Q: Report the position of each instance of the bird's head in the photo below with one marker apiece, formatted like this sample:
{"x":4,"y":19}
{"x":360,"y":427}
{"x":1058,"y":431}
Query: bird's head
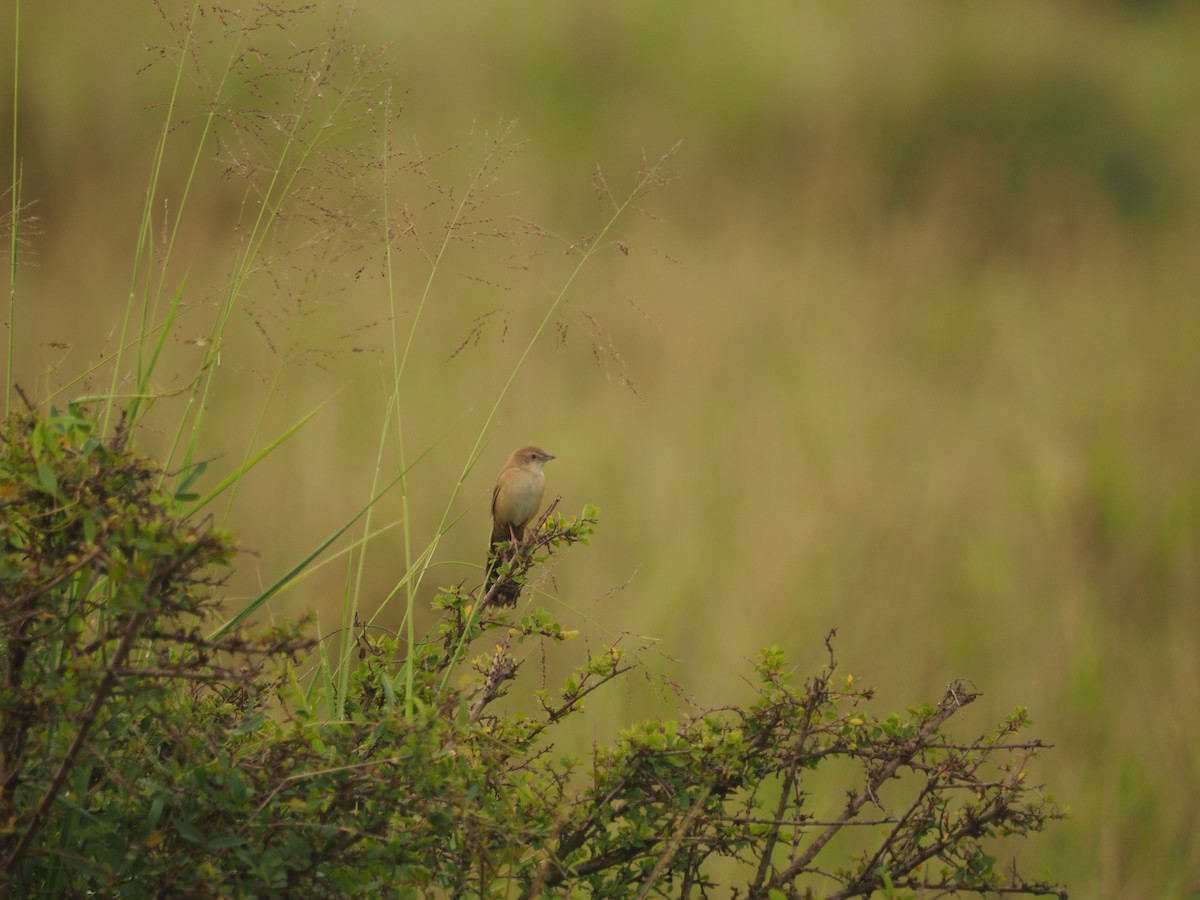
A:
{"x":530,"y":458}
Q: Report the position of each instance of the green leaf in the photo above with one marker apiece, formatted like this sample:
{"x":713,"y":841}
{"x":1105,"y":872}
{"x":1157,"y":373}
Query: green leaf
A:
{"x":389,"y":687}
{"x":182,"y":493}
{"x":237,"y":788}
{"x":46,"y":477}
{"x":156,"y":810}
{"x":223,"y":843}
{"x":249,"y":726}
{"x":189,"y":833}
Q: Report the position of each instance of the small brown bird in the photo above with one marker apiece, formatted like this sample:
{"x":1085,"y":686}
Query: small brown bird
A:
{"x":516,"y":499}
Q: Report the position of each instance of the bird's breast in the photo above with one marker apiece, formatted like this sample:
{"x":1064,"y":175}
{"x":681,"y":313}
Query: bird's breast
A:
{"x":519,"y":498}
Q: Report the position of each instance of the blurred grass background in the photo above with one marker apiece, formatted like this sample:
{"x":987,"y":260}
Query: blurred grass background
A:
{"x":909,"y":349}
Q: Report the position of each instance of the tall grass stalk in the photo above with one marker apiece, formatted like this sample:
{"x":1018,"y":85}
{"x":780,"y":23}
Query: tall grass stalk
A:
{"x":153,"y":310}
{"x":414,"y":571}
{"x":292,"y":159}
{"x":144,"y":242}
{"x":399,"y":362}
{"x":647,"y":179}
{"x":15,"y":213}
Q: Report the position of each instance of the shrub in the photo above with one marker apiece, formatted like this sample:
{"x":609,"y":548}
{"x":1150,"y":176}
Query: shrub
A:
{"x":143,"y":754}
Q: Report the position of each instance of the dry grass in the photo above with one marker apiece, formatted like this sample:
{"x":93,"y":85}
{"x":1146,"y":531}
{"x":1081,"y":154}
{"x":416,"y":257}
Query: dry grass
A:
{"x":913,"y":349}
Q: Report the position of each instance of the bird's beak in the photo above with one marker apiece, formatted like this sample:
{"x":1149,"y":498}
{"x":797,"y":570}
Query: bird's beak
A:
{"x":550,"y":456}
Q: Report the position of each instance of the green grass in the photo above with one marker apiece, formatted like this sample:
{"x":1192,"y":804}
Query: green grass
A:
{"x":912,"y":344}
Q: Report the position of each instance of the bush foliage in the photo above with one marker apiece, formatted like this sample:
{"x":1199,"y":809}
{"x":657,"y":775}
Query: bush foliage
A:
{"x":145,"y":752}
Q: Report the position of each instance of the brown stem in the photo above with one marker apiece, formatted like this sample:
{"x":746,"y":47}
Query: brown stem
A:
{"x":107,"y":683}
{"x":957,"y":696}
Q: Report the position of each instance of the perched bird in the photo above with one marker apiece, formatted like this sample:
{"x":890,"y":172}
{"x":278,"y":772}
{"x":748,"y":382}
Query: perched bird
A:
{"x":515,"y":500}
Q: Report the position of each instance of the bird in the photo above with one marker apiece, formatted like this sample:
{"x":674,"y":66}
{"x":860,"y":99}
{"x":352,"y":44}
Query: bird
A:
{"x":515,"y":501}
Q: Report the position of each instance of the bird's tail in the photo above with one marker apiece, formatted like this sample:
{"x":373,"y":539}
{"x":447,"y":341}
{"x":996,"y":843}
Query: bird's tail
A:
{"x":496,"y":557}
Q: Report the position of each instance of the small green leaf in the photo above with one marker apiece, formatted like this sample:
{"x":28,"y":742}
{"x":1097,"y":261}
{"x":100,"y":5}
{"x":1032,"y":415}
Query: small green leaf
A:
{"x":155,"y":814}
{"x":182,"y":493}
{"x":237,"y":789}
{"x":189,"y":833}
{"x":249,"y":726}
{"x":46,"y":477}
{"x":222,"y":843}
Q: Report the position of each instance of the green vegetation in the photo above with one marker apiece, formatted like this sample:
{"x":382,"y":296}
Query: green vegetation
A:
{"x":139,"y":756}
{"x":911,"y":346}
